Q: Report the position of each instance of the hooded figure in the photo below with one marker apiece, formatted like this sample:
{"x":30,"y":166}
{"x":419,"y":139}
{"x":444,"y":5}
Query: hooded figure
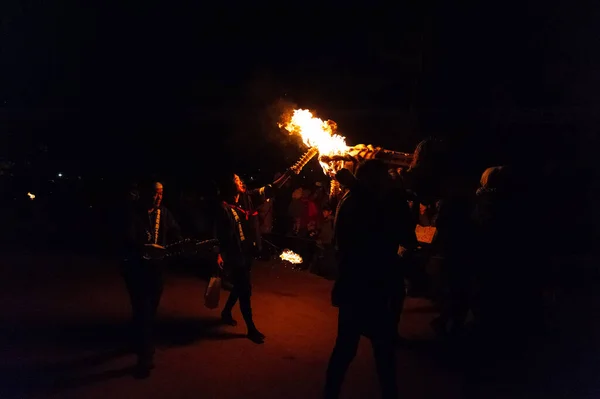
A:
{"x":507,"y":264}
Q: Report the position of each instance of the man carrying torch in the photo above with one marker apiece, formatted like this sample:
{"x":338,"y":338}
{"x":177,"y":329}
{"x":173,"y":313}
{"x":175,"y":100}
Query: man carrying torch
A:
{"x":370,"y":225}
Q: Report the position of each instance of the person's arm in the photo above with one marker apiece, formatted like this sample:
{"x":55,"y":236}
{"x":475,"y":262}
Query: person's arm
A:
{"x":137,"y":240}
{"x":343,"y":236}
{"x":132,"y":240}
{"x":260,"y":195}
{"x":222,"y":232}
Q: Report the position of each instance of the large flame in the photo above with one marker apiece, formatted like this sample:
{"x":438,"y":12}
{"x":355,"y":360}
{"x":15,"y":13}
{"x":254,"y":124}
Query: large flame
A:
{"x":318,"y":134}
{"x":291,"y":257}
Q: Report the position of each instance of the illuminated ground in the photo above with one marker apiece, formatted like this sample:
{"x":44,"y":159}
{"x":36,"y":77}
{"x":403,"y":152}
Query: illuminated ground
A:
{"x":63,"y":321}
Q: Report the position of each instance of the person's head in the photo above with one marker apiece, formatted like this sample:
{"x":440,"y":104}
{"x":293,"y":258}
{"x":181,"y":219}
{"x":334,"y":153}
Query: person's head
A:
{"x":327,"y":212}
{"x":297,"y":194}
{"x":496,"y":178}
{"x":374,"y":175}
{"x":228,"y":185}
{"x":239,"y":184}
{"x":428,"y":154}
{"x":152,"y":194}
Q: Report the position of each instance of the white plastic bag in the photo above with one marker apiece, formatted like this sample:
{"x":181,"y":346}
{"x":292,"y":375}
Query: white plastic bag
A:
{"x":213,"y":293}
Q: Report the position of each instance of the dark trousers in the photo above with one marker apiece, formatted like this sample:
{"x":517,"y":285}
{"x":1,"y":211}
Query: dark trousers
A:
{"x":144,"y":283}
{"x":324,"y":263}
{"x":376,"y":322}
{"x":242,"y":291}
{"x":458,"y":294}
{"x":397,"y":301}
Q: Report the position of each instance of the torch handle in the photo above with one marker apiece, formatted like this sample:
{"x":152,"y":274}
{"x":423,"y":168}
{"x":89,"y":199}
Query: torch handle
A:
{"x":301,"y":163}
{"x":296,"y":168}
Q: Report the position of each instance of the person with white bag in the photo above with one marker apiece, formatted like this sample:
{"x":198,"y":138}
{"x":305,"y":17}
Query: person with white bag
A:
{"x":234,"y":230}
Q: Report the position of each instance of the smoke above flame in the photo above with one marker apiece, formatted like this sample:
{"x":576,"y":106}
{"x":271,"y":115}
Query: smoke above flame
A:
{"x":318,"y":134}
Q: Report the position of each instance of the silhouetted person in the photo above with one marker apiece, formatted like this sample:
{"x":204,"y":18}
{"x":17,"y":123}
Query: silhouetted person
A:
{"x":368,"y":232}
{"x":509,"y":311}
{"x":236,"y":232}
{"x":150,"y":227}
{"x":404,"y":230}
{"x":455,"y":241}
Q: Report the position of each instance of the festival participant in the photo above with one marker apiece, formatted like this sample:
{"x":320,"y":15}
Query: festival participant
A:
{"x":368,"y":232}
{"x":237,"y":234}
{"x":150,"y":227}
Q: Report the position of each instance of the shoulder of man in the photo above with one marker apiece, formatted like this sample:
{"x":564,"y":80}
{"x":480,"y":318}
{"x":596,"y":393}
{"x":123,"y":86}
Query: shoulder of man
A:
{"x":223,"y":209}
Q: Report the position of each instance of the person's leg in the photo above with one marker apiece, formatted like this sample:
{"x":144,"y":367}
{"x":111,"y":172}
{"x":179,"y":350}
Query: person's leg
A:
{"x":149,"y":299}
{"x":245,"y":292}
{"x":156,"y":286}
{"x":246,"y":308}
{"x":133,"y":284}
{"x":226,"y":315}
{"x":316,"y":262}
{"x":346,"y":345}
{"x":398,"y":297}
{"x":460,"y":294}
{"x":385,"y":358}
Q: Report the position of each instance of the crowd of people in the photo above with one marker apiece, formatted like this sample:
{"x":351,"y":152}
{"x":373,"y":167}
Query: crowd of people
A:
{"x":367,"y":237}
{"x":302,"y":217}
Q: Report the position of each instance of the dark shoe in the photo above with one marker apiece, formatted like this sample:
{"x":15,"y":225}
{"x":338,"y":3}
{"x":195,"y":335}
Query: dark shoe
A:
{"x":256,"y":336}
{"x":228,"y":319}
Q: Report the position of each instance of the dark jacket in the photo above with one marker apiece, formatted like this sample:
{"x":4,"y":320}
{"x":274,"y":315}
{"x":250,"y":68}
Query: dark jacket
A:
{"x":232,"y":247}
{"x":250,"y":201}
{"x":368,"y":232}
{"x":140,"y":229}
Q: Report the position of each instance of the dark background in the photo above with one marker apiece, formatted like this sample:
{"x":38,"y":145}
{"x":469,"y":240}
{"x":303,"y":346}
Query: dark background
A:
{"x":107,"y":90}
{"x":109,"y":87}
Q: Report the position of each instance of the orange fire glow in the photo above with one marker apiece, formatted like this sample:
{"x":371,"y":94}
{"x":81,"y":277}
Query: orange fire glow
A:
{"x":291,"y":257}
{"x":318,"y":134}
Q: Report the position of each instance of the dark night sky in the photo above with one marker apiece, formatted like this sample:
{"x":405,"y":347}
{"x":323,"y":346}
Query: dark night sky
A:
{"x":103,"y":84}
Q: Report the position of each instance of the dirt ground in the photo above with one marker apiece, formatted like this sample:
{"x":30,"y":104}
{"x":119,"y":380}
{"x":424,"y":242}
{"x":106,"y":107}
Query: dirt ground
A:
{"x":64,"y":319}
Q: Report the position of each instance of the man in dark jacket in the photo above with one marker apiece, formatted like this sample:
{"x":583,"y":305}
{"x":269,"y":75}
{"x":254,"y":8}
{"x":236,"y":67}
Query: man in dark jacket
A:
{"x":368,"y":231}
{"x":150,"y":228}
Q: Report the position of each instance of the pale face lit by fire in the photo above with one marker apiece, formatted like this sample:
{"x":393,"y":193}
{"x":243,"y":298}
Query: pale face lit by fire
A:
{"x":239,"y":184}
{"x":157,"y":195}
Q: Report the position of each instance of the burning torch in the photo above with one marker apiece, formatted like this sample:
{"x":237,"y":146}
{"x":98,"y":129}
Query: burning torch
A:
{"x":334,"y":154}
{"x":361,"y":152}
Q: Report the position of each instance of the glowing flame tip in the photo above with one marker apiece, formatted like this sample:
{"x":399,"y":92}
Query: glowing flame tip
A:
{"x":316,"y":133}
